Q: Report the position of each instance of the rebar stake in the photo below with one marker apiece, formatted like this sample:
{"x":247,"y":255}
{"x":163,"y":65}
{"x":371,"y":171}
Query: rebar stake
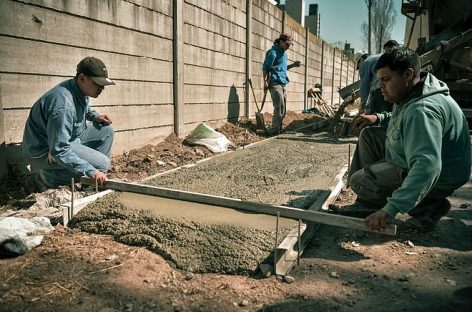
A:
{"x":96,"y":186}
{"x":71,"y":210}
{"x":245,"y":139}
{"x":299,"y":241}
{"x":276,"y":240}
{"x":348,"y":157}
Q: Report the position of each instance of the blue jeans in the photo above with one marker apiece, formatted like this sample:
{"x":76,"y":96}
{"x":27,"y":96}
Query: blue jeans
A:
{"x":94,"y":146}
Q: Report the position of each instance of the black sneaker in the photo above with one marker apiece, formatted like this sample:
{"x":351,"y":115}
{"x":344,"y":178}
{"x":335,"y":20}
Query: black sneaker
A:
{"x":273,"y":132}
{"x":422,"y":225}
{"x":356,"y":210}
{"x":38,"y":183}
{"x":442,"y":210}
{"x":429,"y":223}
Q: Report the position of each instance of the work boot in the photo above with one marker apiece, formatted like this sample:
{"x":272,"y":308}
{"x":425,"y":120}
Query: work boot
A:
{"x":273,"y":132}
{"x":38,"y":183}
{"x":429,"y":222}
{"x":356,"y":210}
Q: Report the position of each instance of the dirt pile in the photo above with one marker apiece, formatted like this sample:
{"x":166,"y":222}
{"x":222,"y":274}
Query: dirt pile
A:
{"x":139,"y":163}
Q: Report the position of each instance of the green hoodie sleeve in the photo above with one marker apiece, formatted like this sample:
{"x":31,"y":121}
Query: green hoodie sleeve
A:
{"x":422,"y":133}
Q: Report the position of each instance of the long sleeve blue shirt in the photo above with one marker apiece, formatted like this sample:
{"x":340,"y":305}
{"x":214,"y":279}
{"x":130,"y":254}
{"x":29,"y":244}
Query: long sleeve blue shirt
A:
{"x":55,"y":121}
{"x":368,"y":78}
{"x":276,"y":62}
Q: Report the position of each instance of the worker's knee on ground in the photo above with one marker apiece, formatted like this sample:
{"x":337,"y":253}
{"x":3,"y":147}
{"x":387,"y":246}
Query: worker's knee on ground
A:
{"x":363,"y":185}
{"x":364,"y":135}
{"x":356,"y":180}
{"x":367,"y":133}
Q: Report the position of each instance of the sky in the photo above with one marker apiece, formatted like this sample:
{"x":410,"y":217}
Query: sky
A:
{"x":341,"y":21}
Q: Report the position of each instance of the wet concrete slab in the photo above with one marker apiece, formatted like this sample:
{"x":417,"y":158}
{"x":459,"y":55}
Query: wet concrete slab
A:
{"x":202,"y":238}
{"x":178,"y":209}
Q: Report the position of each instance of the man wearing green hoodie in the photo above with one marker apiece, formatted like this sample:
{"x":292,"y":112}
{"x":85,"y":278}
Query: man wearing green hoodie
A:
{"x":426,"y":155}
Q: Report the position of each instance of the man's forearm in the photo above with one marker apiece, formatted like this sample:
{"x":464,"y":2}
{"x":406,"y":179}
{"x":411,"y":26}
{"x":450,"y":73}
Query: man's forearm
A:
{"x":294,"y":64}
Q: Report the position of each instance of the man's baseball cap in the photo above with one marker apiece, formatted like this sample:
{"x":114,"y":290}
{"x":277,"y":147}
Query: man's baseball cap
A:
{"x":285,"y":37}
{"x":359,"y":54}
{"x":95,"y":69}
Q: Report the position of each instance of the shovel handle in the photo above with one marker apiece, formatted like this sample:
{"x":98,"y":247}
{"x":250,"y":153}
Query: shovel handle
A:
{"x":254,"y":95}
{"x":265,"y":91}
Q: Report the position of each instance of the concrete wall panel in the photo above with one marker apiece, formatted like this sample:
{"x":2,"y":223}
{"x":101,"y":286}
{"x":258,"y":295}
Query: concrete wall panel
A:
{"x":127,"y":140}
{"x":124,"y":118}
{"x":34,"y":57}
{"x":196,"y":113}
{"x":22,"y":21}
{"x":123,"y":93}
{"x":120,"y":13}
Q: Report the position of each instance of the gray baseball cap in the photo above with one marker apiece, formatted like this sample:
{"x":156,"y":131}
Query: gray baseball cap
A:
{"x":95,"y":69}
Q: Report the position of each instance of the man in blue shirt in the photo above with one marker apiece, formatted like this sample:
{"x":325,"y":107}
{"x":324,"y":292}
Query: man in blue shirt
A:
{"x":274,"y":70}
{"x":372,"y":100}
{"x":57,"y":139}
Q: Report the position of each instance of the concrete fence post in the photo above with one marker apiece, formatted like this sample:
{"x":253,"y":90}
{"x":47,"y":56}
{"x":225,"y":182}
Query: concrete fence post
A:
{"x":332,"y":77}
{"x":247,"y":97}
{"x":178,"y":66}
{"x":305,"y":98}
{"x":347,"y":71}
{"x":341,"y":75}
{"x":283,"y":20}
{"x":322,"y":63}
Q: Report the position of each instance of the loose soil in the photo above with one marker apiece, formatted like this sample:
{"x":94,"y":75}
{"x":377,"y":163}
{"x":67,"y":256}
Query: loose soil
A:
{"x":341,"y":270}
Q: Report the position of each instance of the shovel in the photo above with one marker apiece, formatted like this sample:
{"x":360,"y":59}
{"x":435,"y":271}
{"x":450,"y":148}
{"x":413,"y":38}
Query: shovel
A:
{"x":260,"y":123}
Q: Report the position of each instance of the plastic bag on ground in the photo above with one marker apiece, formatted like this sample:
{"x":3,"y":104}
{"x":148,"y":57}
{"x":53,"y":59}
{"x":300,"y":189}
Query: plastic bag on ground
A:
{"x":19,"y":235}
{"x":207,"y":136}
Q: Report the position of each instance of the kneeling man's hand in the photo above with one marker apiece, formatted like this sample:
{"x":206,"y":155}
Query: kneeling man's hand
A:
{"x":363,"y":121}
{"x":103,"y":119}
{"x":100,"y":177}
{"x":378,"y":220}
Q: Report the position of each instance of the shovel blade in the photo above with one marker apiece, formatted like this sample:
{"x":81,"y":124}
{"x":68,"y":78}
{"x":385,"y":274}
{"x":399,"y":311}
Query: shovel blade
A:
{"x":260,"y":123}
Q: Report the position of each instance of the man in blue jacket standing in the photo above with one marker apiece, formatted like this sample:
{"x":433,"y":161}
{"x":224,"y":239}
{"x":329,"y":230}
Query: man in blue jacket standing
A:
{"x":57,"y":139}
{"x":274,"y":70}
{"x":426,"y":155}
{"x":372,"y":100}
